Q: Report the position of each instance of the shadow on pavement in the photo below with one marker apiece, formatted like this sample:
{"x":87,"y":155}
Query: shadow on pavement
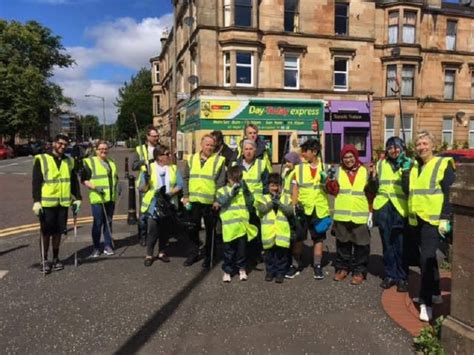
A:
{"x":3,"y":252}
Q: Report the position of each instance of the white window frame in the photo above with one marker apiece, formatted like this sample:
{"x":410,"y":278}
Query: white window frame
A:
{"x":387,"y":131}
{"x":454,"y":84}
{"x":448,"y":36}
{"x":339,"y":88}
{"x":227,"y":13}
{"x":472,"y":85}
{"x":408,"y":130}
{"x":408,"y":26}
{"x":157,"y":73}
{"x":226,"y":66}
{"x":412,"y":88}
{"x":471,"y":133}
{"x":448,"y":131}
{"x":156,"y":105}
{"x":396,"y":27}
{"x":237,"y":65}
{"x":285,"y":68}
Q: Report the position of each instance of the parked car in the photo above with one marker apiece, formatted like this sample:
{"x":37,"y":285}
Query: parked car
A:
{"x":6,"y":152}
{"x":22,"y":150}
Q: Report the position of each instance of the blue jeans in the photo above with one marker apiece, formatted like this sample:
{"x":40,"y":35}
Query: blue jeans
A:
{"x":99,"y":224}
{"x":393,"y":232}
{"x":276,"y":261}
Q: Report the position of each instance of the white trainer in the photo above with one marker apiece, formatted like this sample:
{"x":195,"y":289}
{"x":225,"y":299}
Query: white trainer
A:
{"x":243,"y":275}
{"x":226,"y":277}
{"x":426,"y":313}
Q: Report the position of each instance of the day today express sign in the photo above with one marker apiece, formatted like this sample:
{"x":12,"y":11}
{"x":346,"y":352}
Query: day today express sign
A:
{"x":267,"y":114}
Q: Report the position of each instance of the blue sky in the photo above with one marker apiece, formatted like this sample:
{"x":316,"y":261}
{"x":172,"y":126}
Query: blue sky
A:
{"x":109,"y":39}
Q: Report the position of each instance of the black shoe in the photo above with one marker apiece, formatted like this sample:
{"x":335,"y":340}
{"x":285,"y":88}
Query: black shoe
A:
{"x":292,"y":272}
{"x":318,"y":272}
{"x":269,"y":277}
{"x":402,"y":286}
{"x":164,"y":258}
{"x":143,"y":242}
{"x":148,"y":261}
{"x":387,"y":283}
{"x":190,"y":260}
{"x":57,"y":265}
{"x":279,"y":279}
{"x":47,"y":267}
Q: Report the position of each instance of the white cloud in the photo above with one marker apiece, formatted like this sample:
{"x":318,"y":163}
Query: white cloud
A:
{"x":123,"y":42}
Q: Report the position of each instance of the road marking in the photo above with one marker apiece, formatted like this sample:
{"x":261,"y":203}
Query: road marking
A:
{"x":19,"y":173}
{"x":6,"y":165}
{"x":3,"y":273}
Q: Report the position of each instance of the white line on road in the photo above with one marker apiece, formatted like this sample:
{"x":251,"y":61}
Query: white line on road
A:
{"x":11,"y":164}
{"x":3,"y":273}
{"x":19,"y":173}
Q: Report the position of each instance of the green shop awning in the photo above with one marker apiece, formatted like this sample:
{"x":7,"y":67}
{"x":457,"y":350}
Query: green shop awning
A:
{"x":268,"y":114}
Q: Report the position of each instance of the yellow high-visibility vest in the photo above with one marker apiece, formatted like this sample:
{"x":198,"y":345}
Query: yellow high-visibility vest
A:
{"x":426,"y":197}
{"x":235,"y":217}
{"x":390,"y":188}
{"x":100,"y":178}
{"x":288,"y":182}
{"x":253,"y":178}
{"x":56,"y":187}
{"x":351,"y":204}
{"x":267,"y":162}
{"x":153,"y":185}
{"x":275,"y":227}
{"x":311,"y":192}
{"x":202,"y":184}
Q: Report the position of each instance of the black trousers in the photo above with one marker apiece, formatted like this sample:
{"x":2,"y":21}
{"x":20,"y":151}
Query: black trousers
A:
{"x":254,"y":247}
{"x":158,"y":230}
{"x":198,"y":211}
{"x":276,"y":261}
{"x":235,"y":255}
{"x":350,"y":256}
{"x":427,"y":239}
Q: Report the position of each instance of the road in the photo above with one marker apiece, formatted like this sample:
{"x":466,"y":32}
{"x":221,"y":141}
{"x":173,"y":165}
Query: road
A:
{"x":116,"y":305}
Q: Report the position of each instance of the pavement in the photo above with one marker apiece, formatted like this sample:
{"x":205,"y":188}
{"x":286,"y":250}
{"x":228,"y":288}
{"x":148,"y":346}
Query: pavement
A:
{"x":116,"y":305}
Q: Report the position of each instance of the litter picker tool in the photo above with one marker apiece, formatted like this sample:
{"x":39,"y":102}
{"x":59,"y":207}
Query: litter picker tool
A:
{"x":142,"y":150}
{"x":42,"y":246}
{"x":107,"y":221}
{"x":74,"y":219}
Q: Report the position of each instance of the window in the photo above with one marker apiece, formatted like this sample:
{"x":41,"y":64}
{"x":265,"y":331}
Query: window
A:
{"x":341,"y":21}
{"x":358,"y":138}
{"x":291,"y":72}
{"x":408,"y":78}
{"x":243,"y":13}
{"x":407,"y":127}
{"x":157,"y":105}
{"x":409,"y":26}
{"x":451,"y":28}
{"x":471,"y":133}
{"x":448,"y":130}
{"x":291,"y":15}
{"x":340,"y":73}
{"x":227,"y":13}
{"x":389,"y":127}
{"x":193,"y":68}
{"x":472,"y":85}
{"x":157,"y":73}
{"x":244,"y":70}
{"x":226,"y":68}
{"x":393,"y":27}
{"x":392,"y":86}
{"x":449,"y":81}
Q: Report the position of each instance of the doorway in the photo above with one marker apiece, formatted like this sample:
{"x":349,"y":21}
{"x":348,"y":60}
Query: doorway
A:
{"x":336,"y":138}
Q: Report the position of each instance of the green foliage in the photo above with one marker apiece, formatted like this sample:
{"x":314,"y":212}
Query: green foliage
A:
{"x":465,"y":145}
{"x":88,"y":127}
{"x":410,"y":151}
{"x":134,"y":97}
{"x":455,"y":145}
{"x":28,"y":54}
{"x":429,"y":340}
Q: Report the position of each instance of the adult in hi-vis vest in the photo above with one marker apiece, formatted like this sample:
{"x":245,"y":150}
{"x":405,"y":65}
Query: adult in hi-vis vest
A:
{"x":427,"y":185}
{"x":55,"y":189}
{"x":391,"y":212}
{"x":163,"y":175}
{"x":202,"y":176}
{"x":309,"y":192}
{"x":350,"y":187}
{"x":100,"y":176}
{"x":143,"y":157}
{"x":261,"y":150}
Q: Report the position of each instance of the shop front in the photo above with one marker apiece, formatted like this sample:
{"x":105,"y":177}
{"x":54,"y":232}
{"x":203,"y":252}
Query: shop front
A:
{"x":281,"y":121}
{"x":347,"y":122}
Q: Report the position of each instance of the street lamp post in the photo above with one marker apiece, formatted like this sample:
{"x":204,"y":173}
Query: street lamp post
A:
{"x":103,"y":111}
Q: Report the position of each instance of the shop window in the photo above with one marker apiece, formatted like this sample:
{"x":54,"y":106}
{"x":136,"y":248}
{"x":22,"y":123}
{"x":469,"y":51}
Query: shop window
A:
{"x":451,"y":29}
{"x":226,"y":68}
{"x":409,"y":26}
{"x":341,"y":73}
{"x":448,"y":130}
{"x":408,"y":80}
{"x":227,"y":10}
{"x":341,"y":20}
{"x":357,"y":137}
{"x":291,"y":19}
{"x":407,"y":123}
{"x":393,"y":27}
{"x":389,"y":127}
{"x":244,"y":69}
{"x":291,"y":71}
{"x":243,"y":13}
{"x":449,"y":84}
{"x":471,"y":133}
{"x":392,"y":86}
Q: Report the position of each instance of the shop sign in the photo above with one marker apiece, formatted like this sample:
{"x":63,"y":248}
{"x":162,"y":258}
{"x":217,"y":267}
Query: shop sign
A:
{"x":235,"y":124}
{"x":189,"y":114}
{"x":347,"y":116}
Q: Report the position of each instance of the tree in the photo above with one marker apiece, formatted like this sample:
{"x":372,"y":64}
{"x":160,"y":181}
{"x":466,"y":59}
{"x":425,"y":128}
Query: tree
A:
{"x":28,"y":54}
{"x":88,"y":127}
{"x":134,"y":97}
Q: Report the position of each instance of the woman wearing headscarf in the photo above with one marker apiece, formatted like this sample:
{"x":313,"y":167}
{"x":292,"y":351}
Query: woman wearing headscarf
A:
{"x":349,"y":185}
{"x":391,"y":212}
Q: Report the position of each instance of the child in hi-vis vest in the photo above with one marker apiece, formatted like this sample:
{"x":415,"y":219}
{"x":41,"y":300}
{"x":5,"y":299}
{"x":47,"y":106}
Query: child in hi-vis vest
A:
{"x":275,"y":208}
{"x":236,"y":229}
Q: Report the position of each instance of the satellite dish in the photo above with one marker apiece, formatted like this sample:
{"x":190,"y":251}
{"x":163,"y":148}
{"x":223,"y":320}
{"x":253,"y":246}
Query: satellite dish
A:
{"x":193,"y":79}
{"x":460,"y":118}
